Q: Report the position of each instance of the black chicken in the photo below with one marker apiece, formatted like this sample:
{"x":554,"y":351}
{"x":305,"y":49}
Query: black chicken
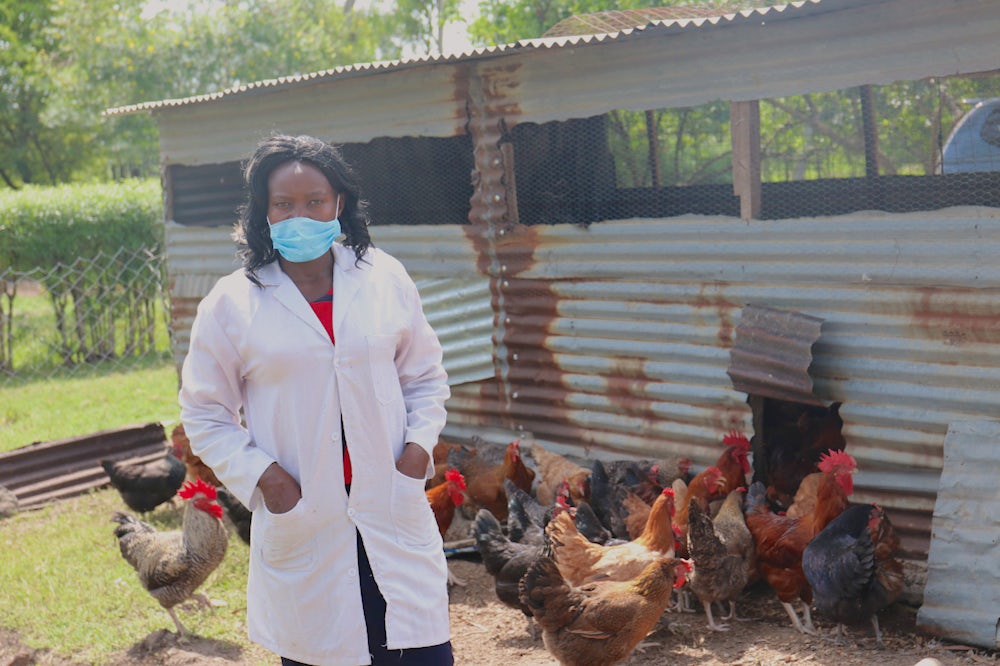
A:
{"x":852,"y":568}
{"x":145,"y":486}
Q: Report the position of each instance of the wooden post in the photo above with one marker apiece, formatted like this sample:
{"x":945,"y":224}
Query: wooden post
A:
{"x":744,"y":128}
{"x":654,"y":148}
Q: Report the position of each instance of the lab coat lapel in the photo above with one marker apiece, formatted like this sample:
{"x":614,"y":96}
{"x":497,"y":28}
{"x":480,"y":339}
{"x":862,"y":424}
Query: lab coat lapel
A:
{"x":346,"y":283}
{"x":286,"y":293}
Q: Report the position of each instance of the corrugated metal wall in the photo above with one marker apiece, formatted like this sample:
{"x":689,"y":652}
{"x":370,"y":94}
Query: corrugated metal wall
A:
{"x":614,"y":338}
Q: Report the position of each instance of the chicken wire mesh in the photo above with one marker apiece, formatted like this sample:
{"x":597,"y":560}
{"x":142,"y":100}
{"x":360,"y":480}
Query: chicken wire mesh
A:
{"x":908,"y":146}
{"x":107,"y":311}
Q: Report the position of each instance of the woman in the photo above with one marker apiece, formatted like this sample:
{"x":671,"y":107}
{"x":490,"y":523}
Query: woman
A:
{"x":323,"y":348}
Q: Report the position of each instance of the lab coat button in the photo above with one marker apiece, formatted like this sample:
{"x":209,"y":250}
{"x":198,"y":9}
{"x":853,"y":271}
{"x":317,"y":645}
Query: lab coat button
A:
{"x":352,"y":572}
{"x":350,"y":512}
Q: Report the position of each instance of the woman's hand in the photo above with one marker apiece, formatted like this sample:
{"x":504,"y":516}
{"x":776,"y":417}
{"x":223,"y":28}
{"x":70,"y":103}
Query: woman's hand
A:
{"x":280,"y":489}
{"x":413,"y":462}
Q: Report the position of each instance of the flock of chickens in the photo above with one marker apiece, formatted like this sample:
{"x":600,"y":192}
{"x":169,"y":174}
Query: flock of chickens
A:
{"x":594,"y":556}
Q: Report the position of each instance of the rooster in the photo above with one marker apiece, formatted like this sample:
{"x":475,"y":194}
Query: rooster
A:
{"x":598,"y":623}
{"x":781,"y":539}
{"x":722,"y":551}
{"x":145,"y":486}
{"x":852,"y":568}
{"x":171,"y":565}
{"x":581,"y":561}
{"x":444,"y":498}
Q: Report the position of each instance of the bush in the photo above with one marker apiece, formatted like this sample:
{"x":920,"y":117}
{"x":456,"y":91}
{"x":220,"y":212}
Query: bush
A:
{"x":87,"y":245}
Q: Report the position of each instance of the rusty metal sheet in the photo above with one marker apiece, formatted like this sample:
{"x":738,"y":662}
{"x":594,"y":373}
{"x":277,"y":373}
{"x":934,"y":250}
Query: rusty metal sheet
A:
{"x":772,"y":353}
{"x":47,"y":471}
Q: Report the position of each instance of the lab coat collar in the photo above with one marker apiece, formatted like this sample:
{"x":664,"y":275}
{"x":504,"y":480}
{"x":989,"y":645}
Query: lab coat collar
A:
{"x":347,"y":272}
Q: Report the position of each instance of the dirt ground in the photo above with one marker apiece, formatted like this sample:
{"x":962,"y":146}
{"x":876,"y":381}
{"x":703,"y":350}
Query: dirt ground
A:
{"x":487,"y":633}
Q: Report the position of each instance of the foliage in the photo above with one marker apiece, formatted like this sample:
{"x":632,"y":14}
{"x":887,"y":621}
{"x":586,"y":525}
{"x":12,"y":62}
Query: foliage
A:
{"x":36,"y":409}
{"x":67,"y":588}
{"x":423,"y":21}
{"x":82,"y":242}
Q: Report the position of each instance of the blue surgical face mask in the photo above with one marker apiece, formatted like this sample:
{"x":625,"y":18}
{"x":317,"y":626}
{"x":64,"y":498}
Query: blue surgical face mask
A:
{"x":300,"y":239}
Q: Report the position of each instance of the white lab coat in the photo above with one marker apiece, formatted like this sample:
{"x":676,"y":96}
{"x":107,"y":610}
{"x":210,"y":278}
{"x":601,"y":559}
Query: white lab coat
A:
{"x":263,"y":350}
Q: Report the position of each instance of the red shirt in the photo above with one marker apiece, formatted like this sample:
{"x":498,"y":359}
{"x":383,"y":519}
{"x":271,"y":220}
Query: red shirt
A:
{"x":323,"y":307}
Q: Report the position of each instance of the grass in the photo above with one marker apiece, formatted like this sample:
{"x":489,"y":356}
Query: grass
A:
{"x":92,"y":399}
{"x":66,"y":587}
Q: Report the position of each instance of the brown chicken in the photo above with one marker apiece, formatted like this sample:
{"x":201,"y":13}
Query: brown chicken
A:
{"x":171,"y":565}
{"x":196,"y":469}
{"x":852,"y":568}
{"x":722,"y":553}
{"x":484,"y":479}
{"x":440,"y":458}
{"x":581,"y":561}
{"x":600,"y":623}
{"x":781,"y":539}
{"x":145,"y":486}
{"x":553,"y":469}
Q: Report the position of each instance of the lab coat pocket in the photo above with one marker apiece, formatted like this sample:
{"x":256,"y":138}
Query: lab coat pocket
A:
{"x":412,"y":516}
{"x":286,"y":539}
{"x":382,"y":365}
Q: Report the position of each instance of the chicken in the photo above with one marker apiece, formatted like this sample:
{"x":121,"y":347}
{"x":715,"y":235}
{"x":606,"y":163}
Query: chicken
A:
{"x":581,"y":561}
{"x":599,"y":623}
{"x":440,"y":458}
{"x":505,"y":560}
{"x":172,"y":565}
{"x":605,"y":499}
{"x":704,"y":485}
{"x":733,"y":462}
{"x":721,"y":553}
{"x":444,"y":498}
{"x":238,"y":515}
{"x":781,"y":539}
{"x":636,"y":512}
{"x":852,"y":568}
{"x":526,"y":516}
{"x":484,"y":479}
{"x":145,"y":486}
{"x":788,"y":447}
{"x":196,"y":469}
{"x":553,"y":469}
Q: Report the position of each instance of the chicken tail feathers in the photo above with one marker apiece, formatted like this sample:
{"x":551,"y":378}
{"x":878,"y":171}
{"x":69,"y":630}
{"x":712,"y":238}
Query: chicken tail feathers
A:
{"x":492,"y":544}
{"x":546,"y":595}
{"x":129,"y":524}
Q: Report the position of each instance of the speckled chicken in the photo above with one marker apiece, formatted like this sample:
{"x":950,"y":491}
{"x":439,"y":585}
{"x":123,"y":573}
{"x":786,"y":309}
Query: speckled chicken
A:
{"x":722,"y":555}
{"x":172,"y":565}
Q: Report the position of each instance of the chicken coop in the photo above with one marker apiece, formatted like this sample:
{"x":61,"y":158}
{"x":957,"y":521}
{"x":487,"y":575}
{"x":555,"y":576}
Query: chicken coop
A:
{"x":592,"y":216}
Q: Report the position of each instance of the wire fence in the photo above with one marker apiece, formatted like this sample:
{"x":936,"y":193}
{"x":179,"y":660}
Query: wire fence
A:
{"x":110,"y":311}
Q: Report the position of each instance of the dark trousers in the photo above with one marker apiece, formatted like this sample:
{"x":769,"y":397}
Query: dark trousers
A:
{"x":374,"y":606}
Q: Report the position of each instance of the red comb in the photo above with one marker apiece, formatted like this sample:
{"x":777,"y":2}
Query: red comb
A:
{"x":192,"y":488}
{"x":736,"y":438}
{"x":668,"y":491}
{"x":454,"y":476}
{"x":838,"y":462}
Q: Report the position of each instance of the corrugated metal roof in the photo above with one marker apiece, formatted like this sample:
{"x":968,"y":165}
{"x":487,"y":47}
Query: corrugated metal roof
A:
{"x":776,"y":12}
{"x":626,"y":19}
{"x":962,"y":595}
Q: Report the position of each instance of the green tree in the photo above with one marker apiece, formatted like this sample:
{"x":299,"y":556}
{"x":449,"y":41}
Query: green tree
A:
{"x":422,"y":22}
{"x":38,"y":144}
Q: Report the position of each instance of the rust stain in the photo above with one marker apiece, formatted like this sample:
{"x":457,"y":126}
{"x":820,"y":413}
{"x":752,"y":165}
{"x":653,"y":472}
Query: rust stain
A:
{"x":723,"y":308}
{"x":939,"y":313}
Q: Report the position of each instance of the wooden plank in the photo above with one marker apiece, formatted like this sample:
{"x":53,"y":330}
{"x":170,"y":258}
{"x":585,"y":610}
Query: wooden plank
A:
{"x":744,"y":128}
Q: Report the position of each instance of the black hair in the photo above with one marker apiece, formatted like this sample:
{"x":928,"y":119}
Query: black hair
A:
{"x":252,"y":232}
